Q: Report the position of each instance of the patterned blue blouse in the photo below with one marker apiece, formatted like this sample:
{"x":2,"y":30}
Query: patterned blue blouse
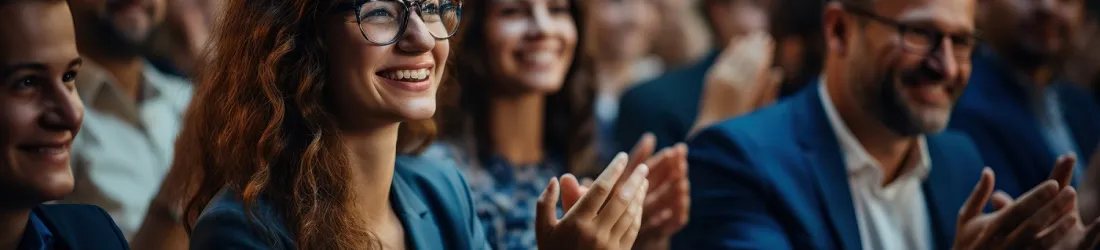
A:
{"x":505,"y":195}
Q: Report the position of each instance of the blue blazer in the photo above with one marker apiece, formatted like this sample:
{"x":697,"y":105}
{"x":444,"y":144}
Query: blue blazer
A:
{"x":994,"y":111}
{"x":78,"y":226}
{"x":431,"y":200}
{"x":776,"y":179}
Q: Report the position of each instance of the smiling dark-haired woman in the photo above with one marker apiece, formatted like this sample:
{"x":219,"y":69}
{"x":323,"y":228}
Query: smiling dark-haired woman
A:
{"x":524,"y":116}
{"x":296,"y":136}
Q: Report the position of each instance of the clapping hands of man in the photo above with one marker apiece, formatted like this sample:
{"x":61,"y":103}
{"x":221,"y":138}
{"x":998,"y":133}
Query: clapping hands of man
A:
{"x":1046,"y":217}
{"x":664,"y":208}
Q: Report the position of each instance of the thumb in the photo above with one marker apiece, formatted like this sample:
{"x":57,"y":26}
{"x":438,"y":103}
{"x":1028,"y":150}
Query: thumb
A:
{"x":546,"y":214}
{"x":571,"y":191}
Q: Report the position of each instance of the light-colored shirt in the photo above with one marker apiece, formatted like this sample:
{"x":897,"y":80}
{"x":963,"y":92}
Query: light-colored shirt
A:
{"x":124,"y":148}
{"x":894,"y":216}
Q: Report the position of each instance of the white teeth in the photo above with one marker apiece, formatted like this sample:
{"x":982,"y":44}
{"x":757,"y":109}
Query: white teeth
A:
{"x":408,"y":75}
{"x":539,"y":57}
{"x":50,"y":150}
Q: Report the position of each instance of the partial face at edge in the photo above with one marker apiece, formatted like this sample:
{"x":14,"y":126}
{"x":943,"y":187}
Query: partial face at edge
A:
{"x":40,"y":111}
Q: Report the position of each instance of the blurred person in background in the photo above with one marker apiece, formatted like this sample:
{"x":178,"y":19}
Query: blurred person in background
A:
{"x":860,"y":160}
{"x":1016,"y":108}
{"x":754,"y":70}
{"x":525,"y":116}
{"x":620,"y":37}
{"x":40,"y":114}
{"x":683,"y":36}
{"x":176,"y":46}
{"x":133,"y":110}
{"x":323,"y":171}
{"x":667,"y":106}
{"x":1083,"y":67}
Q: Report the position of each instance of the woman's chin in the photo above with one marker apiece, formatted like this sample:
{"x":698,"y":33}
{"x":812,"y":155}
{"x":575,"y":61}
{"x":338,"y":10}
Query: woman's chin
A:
{"x":55,"y":187}
{"x":418,"y":111}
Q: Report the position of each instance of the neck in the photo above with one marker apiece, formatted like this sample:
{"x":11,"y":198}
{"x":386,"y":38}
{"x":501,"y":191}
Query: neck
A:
{"x":14,"y":223}
{"x":516,"y":125}
{"x":613,"y":76}
{"x":125,"y":66}
{"x":372,"y":155}
{"x":887,"y":147}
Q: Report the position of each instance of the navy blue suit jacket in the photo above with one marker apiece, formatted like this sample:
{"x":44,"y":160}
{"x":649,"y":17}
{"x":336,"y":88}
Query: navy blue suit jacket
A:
{"x":78,"y":226}
{"x":431,"y":200}
{"x":776,"y":179}
{"x":994,"y":111}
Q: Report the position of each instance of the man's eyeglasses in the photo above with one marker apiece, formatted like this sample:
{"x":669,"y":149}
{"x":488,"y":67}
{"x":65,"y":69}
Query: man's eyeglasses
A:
{"x":920,"y":40}
{"x":383,"y":22}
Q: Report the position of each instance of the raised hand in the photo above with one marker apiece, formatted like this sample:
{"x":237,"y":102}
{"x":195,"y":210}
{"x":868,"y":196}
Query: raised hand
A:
{"x":607,"y":216}
{"x":1037,"y":219}
{"x":741,"y":80}
{"x":667,"y":202}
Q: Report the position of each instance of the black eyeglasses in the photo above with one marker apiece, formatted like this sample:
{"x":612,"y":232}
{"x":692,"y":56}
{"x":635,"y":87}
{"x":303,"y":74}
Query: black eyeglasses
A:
{"x":920,"y":40}
{"x":383,"y":22}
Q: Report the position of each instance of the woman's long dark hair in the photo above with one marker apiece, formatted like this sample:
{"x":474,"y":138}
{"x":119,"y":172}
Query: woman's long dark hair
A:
{"x":570,"y":124}
{"x":258,"y":126}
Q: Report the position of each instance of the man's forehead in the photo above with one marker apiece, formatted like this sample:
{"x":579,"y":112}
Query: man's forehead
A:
{"x":958,"y":14}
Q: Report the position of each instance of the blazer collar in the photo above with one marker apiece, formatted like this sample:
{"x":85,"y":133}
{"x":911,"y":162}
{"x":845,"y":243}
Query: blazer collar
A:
{"x":60,"y":231}
{"x":946,"y":188}
{"x":823,"y":157}
{"x":420,"y":229}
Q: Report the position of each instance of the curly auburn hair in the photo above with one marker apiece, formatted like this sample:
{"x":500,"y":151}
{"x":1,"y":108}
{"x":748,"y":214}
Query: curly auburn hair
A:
{"x":258,"y":126}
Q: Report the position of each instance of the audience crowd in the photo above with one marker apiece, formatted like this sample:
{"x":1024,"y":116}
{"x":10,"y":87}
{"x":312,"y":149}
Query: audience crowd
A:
{"x":550,"y":124}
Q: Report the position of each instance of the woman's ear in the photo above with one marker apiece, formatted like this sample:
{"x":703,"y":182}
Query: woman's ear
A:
{"x":835,"y":21}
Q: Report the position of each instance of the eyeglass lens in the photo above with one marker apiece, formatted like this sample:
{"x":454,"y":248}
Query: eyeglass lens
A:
{"x":382,"y":21}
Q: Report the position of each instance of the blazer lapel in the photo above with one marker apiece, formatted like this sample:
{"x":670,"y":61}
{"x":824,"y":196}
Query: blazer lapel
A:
{"x":945,"y":190}
{"x":420,"y":228}
{"x":823,"y":156}
{"x":61,"y":232}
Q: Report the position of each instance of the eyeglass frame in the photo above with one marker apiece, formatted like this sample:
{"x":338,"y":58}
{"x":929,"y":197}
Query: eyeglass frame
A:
{"x":357,"y":6}
{"x":937,"y":36}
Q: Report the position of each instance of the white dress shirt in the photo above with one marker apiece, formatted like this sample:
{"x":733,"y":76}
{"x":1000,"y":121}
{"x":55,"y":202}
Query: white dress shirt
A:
{"x":890,"y":217}
{"x":124,"y":148}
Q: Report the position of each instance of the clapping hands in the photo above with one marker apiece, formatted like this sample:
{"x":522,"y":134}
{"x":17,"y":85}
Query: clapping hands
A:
{"x":607,"y":216}
{"x":1045,"y":217}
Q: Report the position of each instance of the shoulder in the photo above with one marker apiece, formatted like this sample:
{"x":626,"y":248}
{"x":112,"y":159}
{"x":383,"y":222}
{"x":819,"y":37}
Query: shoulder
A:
{"x":771,"y":125}
{"x":85,"y":225}
{"x":225,"y":222}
